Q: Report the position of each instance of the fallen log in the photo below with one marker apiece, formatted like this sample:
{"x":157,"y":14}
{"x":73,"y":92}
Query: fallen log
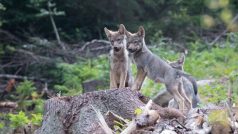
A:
{"x":94,"y":48}
{"x":8,"y":104}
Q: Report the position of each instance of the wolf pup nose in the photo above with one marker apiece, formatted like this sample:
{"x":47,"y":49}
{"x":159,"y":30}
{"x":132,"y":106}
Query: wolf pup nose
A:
{"x":120,"y":70}
{"x":116,"y":49}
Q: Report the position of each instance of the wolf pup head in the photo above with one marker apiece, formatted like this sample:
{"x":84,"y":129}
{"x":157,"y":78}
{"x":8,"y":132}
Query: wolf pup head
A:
{"x":117,"y":38}
{"x":135,"y":41}
{"x":179,"y":63}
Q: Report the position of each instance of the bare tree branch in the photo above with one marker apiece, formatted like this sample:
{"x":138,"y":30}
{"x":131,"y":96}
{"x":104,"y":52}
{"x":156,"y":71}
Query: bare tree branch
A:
{"x":10,"y":76}
{"x":225,"y":31}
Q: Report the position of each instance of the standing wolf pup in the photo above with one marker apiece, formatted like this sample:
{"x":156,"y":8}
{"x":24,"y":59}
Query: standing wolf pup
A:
{"x":150,"y":65}
{"x":189,"y":83}
{"x":120,"y":73}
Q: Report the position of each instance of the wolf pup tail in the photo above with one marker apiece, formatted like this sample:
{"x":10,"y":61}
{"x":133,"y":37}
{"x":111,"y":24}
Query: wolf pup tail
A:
{"x":191,"y":79}
{"x":195,"y":101}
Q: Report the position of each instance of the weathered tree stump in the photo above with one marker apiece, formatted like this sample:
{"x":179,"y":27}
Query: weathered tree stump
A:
{"x":75,"y":115}
{"x":93,"y":85}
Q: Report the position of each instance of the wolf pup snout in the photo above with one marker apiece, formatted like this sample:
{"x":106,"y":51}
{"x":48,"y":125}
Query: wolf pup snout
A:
{"x":131,"y":48}
{"x":117,"y":49}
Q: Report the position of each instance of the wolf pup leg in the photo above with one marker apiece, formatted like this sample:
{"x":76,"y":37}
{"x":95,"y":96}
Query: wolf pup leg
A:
{"x":140,"y":77}
{"x":113,"y":83}
{"x":181,"y":89}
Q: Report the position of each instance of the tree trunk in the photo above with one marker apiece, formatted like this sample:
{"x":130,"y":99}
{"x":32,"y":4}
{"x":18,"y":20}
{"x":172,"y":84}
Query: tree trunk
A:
{"x":75,"y":115}
{"x":55,"y":28}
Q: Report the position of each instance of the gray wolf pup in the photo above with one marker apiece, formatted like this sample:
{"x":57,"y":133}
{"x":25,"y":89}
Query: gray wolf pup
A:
{"x":152,"y":66}
{"x":189,"y":83}
{"x":120,"y":73}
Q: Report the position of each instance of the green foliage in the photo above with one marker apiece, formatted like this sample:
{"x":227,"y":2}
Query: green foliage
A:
{"x":74,"y":74}
{"x":150,"y":88}
{"x":52,"y":10}
{"x":215,"y":62}
{"x":25,"y":88}
{"x":118,"y":126}
{"x":21,"y":119}
{"x":18,"y":120}
{"x":1,"y":125}
{"x":233,"y":81}
{"x":39,"y":105}
{"x":2,"y":8}
{"x":214,"y":93}
{"x":28,"y":97}
{"x":175,"y":18}
{"x":36,"y":119}
{"x":138,"y":111}
{"x":220,"y":116}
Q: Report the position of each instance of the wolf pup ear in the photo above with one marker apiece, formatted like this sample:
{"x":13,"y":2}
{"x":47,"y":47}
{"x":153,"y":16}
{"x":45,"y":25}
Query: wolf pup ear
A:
{"x":108,"y":32}
{"x":181,"y":58}
{"x":122,"y":29}
{"x":128,"y":34}
{"x":141,"y":31}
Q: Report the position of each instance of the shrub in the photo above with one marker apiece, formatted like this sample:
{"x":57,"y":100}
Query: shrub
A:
{"x":25,"y":89}
{"x":18,"y":120}
{"x":74,"y":74}
{"x":21,"y":119}
{"x":214,"y":93}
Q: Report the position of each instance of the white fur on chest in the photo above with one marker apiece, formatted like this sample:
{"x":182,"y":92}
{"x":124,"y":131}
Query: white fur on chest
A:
{"x":118,"y":60}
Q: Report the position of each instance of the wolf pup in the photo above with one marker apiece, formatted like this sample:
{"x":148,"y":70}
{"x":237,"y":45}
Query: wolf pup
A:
{"x":179,"y":65}
{"x":152,"y":66}
{"x":163,"y":98}
{"x":120,"y":73}
{"x":189,"y":83}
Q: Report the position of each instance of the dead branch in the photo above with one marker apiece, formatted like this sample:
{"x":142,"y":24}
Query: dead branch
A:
{"x":114,"y":117}
{"x":94,"y":48}
{"x":102,"y":122}
{"x":225,"y":31}
{"x":37,"y":58}
{"x":8,"y":37}
{"x":10,"y":76}
{"x":10,"y":85}
{"x":8,"y":104}
{"x":231,"y":115}
{"x":131,"y":127}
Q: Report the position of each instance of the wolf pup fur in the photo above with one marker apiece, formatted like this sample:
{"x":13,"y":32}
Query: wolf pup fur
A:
{"x":179,"y":65}
{"x":152,"y":66}
{"x":120,"y":70}
{"x":189,"y":83}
